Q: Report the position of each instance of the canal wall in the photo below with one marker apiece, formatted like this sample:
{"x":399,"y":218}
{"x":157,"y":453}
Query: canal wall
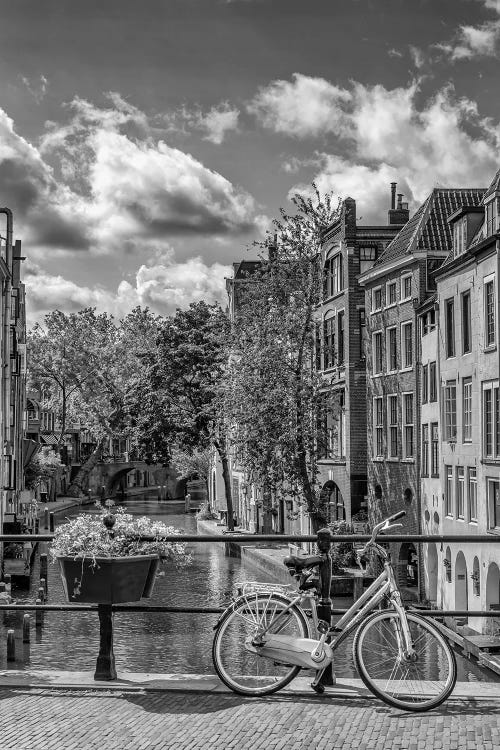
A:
{"x":260,"y":559}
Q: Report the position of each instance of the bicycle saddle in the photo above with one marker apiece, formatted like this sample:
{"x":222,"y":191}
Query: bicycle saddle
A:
{"x":301,"y":562}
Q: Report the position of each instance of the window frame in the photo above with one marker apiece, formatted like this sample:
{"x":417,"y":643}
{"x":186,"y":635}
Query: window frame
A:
{"x":490,"y":387}
{"x":466,"y":322}
{"x":425,"y":383}
{"x":408,"y":427}
{"x":388,"y":351}
{"x":492,"y":506}
{"x":340,"y":337}
{"x":375,"y":291}
{"x":460,"y":492}
{"x":378,"y":426}
{"x":433,"y":382}
{"x":333,"y":275}
{"x":425,"y":450}
{"x":405,"y":277}
{"x":448,"y":494}
{"x":406,"y":324}
{"x":449,"y":327}
{"x":434,"y":449}
{"x":377,"y":336}
{"x":472,"y":504}
{"x":467,"y":412}
{"x":388,"y":287}
{"x":329,"y":352}
{"x":392,"y":426}
{"x":489,"y":340}
{"x":450,"y":416}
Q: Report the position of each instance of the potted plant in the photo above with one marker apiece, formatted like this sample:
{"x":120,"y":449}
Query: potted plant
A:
{"x":102,"y":559}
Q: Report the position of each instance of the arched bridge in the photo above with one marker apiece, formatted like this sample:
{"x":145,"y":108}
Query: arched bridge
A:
{"x":111,"y":474}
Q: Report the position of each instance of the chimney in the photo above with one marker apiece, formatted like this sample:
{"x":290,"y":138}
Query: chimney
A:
{"x":398,"y":214}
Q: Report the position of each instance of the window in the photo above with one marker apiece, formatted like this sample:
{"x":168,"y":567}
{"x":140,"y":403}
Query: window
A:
{"x":491,"y":217}
{"x":450,"y":410}
{"x":362,"y":332}
{"x":489,"y":313}
{"x":333,"y":276}
{"x":466,"y":323}
{"x":340,"y":332}
{"x":405,"y":287}
{"x":493,"y":496}
{"x":448,"y":495}
{"x":318,"y":346}
{"x":378,"y":422}
{"x":432,"y":382}
{"x":377,"y":353}
{"x":459,"y":236}
{"x":460,"y":492}
{"x":392,"y":414}
{"x":392,"y":351}
{"x":406,"y":345}
{"x":377,"y":298}
{"x":428,"y":322}
{"x":425,"y":450}
{"x":339,"y":435}
{"x":329,"y":342}
{"x":425,"y":383}
{"x":467,"y":410}
{"x":491,"y":421}
{"x":472,"y":494}
{"x":367,"y":257}
{"x":391,"y":293}
{"x":408,"y":425}
{"x":434,"y":450}
{"x":450,"y":327}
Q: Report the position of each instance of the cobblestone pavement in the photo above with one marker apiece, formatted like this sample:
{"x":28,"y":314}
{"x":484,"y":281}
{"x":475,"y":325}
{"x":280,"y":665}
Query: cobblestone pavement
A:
{"x":105,"y":720}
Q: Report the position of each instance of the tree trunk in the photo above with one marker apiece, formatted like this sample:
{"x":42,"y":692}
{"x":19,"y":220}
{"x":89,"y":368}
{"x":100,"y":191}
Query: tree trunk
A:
{"x":81,"y":480}
{"x":221,"y":450}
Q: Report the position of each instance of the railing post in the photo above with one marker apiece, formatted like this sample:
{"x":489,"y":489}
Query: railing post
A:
{"x":44,"y":571}
{"x":11,"y":645}
{"x":105,"y":666}
{"x":325,"y":583}
{"x":26,"y":628}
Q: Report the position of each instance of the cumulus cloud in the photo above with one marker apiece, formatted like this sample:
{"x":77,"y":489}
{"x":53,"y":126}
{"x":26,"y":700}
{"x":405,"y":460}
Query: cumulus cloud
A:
{"x":162,"y":285}
{"x":105,"y":181}
{"x":218,"y":121}
{"x":482,"y":40}
{"x":303,"y":107}
{"x":380,"y":135}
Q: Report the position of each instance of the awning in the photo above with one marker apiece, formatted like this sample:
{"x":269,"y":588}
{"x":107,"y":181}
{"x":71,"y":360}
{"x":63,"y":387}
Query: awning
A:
{"x":48,"y":438}
{"x":30,"y":447}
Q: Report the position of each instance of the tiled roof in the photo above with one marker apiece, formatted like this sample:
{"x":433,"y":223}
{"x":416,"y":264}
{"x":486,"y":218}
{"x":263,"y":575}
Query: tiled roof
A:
{"x":428,"y":229}
{"x":495,"y":185}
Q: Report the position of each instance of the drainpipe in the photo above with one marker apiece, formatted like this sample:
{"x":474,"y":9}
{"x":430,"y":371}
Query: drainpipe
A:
{"x":7,"y":447}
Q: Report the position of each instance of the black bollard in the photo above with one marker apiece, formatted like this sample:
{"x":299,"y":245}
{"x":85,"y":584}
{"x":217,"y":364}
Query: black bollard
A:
{"x":44,"y":570}
{"x":51,"y":522}
{"x":159,"y":493}
{"x":37,"y":525}
{"x":41,"y":594}
{"x":105,"y":666}
{"x":46,"y":517}
{"x":325,"y":583}
{"x":38,"y":614}
{"x":11,"y":646}
{"x":26,"y":629}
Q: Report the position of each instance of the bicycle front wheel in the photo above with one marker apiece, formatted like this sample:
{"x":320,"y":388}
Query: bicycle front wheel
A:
{"x":238,"y":666}
{"x":415,"y":685}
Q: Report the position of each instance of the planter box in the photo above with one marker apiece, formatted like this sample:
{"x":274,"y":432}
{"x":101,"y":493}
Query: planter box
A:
{"x":112,"y":580}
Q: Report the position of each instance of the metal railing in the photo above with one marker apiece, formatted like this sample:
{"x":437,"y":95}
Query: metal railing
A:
{"x":105,"y":611}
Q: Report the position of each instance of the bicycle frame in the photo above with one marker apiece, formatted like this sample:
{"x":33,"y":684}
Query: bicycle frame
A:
{"x":384,"y":585}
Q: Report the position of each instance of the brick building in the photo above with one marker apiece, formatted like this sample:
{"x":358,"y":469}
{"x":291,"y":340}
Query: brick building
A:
{"x":348,"y":249}
{"x":400,"y":280}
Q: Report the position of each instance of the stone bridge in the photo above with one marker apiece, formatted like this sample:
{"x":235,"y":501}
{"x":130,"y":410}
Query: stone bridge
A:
{"x":112,"y":475}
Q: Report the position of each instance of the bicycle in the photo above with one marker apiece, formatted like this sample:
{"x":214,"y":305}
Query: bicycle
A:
{"x":263,"y":639}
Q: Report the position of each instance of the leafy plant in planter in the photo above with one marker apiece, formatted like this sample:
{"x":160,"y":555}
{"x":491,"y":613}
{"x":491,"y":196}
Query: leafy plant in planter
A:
{"x":103,"y":560}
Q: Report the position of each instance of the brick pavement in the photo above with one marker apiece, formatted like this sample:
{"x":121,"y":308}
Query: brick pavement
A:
{"x":115,"y":720}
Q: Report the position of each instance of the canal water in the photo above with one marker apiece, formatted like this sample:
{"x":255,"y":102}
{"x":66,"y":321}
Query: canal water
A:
{"x":149,"y":641}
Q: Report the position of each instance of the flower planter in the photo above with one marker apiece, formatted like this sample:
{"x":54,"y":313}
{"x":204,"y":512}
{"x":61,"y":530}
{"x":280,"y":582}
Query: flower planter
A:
{"x":111,"y":580}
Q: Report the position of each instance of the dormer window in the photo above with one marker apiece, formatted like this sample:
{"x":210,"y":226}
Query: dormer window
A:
{"x":459,"y":236}
{"x":367,"y":257}
{"x":491,"y":209}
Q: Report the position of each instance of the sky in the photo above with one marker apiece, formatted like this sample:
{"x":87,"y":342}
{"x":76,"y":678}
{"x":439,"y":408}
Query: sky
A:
{"x":145,"y":146}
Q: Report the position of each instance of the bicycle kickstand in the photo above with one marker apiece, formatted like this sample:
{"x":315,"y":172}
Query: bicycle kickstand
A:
{"x":316,"y":684}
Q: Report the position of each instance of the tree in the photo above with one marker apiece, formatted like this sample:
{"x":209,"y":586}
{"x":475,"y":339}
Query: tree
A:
{"x":177,"y":405}
{"x":273,"y":393}
{"x":88,"y":362}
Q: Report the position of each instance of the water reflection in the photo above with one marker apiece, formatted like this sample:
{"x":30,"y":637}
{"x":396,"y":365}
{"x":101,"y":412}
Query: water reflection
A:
{"x":150,"y":641}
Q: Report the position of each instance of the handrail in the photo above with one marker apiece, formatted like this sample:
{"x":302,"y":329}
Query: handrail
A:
{"x":258,"y":538}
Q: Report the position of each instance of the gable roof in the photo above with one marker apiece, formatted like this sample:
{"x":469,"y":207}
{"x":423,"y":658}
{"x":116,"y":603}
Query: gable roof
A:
{"x":428,"y":228}
{"x":495,"y":185}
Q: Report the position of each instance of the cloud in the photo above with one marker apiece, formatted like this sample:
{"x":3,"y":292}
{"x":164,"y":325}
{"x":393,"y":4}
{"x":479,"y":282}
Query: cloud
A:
{"x":163,"y":285}
{"x":417,"y":56}
{"x":394,"y":52}
{"x":105,"y":181}
{"x":379,"y":135}
{"x":37,"y":86}
{"x":303,"y":107}
{"x":470,"y":42}
{"x":218,"y":121}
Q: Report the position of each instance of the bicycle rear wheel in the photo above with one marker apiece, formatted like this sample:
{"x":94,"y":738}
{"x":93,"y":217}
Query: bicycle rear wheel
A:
{"x":240,"y":668}
{"x":413,"y":685}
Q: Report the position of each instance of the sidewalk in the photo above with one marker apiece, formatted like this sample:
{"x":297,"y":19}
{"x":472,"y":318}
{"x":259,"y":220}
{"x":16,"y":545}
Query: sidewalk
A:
{"x":130,"y":715}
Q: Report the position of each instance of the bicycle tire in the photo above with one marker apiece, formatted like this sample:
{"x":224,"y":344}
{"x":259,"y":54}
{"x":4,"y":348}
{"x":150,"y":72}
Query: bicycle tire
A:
{"x":414,"y":686}
{"x":241,"y":670}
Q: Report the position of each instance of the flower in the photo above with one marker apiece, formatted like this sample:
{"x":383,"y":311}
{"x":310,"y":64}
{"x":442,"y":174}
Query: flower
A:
{"x":86,"y":537}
